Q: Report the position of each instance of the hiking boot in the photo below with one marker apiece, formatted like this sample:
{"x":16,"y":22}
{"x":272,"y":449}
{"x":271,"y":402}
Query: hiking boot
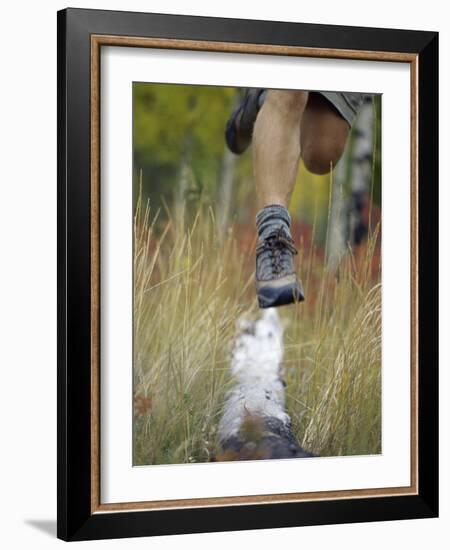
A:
{"x":276,"y":281}
{"x":239,"y":129}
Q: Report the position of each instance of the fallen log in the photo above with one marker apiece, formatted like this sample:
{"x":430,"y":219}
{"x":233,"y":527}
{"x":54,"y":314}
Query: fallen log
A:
{"x":254,"y":424}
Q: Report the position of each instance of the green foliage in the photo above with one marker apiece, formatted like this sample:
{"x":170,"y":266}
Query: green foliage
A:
{"x":176,"y":124}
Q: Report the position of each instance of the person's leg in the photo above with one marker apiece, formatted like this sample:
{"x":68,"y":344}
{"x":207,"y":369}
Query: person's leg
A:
{"x":323,"y":135}
{"x":276,"y":145}
{"x":276,"y":154}
{"x":290,"y":124}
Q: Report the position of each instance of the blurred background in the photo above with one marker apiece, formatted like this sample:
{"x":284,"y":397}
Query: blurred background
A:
{"x":180,"y":155}
{"x":194,"y":254}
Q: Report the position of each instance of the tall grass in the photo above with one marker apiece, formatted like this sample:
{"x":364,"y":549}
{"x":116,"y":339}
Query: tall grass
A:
{"x":191,"y":285}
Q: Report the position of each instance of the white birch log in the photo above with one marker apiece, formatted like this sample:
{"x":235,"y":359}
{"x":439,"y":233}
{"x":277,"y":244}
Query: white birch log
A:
{"x":255,"y":424}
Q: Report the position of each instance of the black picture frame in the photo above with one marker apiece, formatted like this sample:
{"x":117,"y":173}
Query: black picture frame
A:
{"x":76,"y":521}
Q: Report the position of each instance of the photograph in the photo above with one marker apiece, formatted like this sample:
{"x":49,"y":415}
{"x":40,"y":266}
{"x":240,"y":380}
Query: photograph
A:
{"x":246,"y":274}
{"x":224,"y":278}
{"x":256,"y":273}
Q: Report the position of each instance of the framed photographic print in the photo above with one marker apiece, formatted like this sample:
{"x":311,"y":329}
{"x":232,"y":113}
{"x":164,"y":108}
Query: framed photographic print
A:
{"x":247,"y":256}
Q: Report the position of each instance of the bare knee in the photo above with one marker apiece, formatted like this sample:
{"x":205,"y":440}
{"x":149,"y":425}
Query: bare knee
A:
{"x":323,"y":135}
{"x":289,"y":103}
{"x":321,"y":156}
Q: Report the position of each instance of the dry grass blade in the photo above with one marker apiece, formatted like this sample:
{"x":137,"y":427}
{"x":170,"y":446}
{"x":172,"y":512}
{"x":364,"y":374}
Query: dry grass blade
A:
{"x":190,"y":287}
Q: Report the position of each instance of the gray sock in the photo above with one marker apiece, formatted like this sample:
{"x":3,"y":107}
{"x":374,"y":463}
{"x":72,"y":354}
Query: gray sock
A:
{"x":271,"y":219}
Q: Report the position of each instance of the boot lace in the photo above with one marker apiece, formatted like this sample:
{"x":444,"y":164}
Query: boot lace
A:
{"x":273,"y":249}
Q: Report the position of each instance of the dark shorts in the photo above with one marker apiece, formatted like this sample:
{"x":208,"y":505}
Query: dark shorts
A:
{"x":346,"y":103}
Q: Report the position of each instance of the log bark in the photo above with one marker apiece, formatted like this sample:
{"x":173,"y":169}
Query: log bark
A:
{"x":255,"y":424}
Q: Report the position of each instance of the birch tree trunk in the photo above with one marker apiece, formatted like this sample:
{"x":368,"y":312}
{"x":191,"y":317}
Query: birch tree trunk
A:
{"x":227,"y":173}
{"x":351,"y":187}
{"x":226,"y":190}
{"x":183,"y":180}
{"x":185,"y":161}
{"x":361,"y":174}
{"x":337,"y":224}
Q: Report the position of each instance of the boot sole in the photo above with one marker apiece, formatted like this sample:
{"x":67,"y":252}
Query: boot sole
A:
{"x":280,"y":292}
{"x":248,"y":110}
